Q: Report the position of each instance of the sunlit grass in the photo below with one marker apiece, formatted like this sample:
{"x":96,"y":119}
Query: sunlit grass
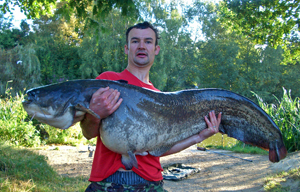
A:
{"x":23,"y":170}
{"x":240,"y":147}
{"x":280,"y":182}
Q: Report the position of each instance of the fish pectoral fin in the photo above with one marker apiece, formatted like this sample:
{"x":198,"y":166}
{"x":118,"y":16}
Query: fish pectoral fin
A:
{"x":87,"y":110}
{"x":160,"y":151}
{"x":129,"y":161}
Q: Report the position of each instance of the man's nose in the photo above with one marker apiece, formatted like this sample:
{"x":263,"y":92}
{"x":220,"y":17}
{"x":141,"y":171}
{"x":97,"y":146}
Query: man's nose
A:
{"x":141,"y":45}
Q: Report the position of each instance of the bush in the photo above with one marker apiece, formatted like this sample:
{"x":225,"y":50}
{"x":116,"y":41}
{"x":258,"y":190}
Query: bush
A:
{"x":13,"y":127}
{"x":17,"y":128}
{"x":71,"y":136}
{"x":287,"y":117}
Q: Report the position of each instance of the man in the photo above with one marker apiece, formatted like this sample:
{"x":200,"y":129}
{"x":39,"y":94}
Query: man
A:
{"x":108,"y":173}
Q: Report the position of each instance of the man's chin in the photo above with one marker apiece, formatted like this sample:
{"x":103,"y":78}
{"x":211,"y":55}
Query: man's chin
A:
{"x":142,"y":62}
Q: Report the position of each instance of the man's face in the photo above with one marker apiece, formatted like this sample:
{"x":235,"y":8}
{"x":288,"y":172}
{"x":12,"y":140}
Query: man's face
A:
{"x":141,"y":49}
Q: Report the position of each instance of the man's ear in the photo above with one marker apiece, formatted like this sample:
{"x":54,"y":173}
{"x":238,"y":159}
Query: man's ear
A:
{"x":157,"y":49}
{"x":126,"y":49}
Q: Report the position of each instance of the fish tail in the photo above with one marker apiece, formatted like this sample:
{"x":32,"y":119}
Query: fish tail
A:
{"x":129,"y":161}
{"x":277,"y":152}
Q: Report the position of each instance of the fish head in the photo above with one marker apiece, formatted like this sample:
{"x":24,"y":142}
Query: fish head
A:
{"x":48,"y":106}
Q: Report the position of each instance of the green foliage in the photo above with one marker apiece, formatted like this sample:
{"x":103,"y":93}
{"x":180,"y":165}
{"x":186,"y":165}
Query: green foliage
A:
{"x":21,"y":67}
{"x":6,"y":37}
{"x":219,"y":65}
{"x":72,"y":136}
{"x":275,"y":23}
{"x":17,"y":129}
{"x":11,"y":37}
{"x":286,"y":115}
{"x":24,"y":170}
{"x":228,"y":60}
{"x":240,"y":147}
{"x":103,"y":51}
{"x":56,"y":48}
{"x":253,"y":64}
{"x":13,"y":127}
{"x":35,"y":8}
{"x":263,"y":21}
{"x":217,"y":57}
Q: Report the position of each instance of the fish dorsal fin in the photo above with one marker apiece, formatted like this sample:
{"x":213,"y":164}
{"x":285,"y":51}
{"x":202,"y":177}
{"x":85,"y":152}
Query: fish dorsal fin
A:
{"x":87,"y":110}
{"x":122,"y":81}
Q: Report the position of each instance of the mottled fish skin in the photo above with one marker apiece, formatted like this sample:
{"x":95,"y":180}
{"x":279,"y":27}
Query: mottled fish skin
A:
{"x":150,"y":121}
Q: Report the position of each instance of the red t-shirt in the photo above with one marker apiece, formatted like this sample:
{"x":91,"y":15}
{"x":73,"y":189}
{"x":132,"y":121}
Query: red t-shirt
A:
{"x":107,"y":162}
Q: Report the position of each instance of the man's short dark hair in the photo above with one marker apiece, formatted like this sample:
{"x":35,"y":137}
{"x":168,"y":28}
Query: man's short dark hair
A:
{"x":144,"y":25}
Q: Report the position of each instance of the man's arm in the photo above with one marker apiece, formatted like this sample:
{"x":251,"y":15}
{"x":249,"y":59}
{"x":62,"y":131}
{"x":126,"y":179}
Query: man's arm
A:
{"x":104,"y":102}
{"x":213,"y":127}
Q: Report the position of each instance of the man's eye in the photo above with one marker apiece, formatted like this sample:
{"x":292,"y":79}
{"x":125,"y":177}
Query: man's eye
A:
{"x":148,"y":42}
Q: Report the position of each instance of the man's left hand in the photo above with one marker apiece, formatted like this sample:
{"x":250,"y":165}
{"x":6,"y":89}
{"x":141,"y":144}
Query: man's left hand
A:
{"x":213,"y":123}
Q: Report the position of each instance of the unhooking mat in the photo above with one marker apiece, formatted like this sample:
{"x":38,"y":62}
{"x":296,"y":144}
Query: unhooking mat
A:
{"x":178,"y":171}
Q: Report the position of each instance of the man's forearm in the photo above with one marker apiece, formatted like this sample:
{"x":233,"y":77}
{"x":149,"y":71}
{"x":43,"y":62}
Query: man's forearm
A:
{"x":204,"y":134}
{"x":183,"y":145}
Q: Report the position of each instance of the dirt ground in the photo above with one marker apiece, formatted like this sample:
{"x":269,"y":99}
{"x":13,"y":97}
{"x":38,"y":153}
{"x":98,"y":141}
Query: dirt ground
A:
{"x":218,"y":172}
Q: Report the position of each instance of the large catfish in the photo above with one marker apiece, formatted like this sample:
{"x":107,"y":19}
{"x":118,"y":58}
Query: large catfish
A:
{"x":152,"y":122}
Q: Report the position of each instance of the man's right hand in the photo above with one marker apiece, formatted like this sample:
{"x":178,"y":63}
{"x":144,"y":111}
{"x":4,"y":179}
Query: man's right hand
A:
{"x":104,"y":102}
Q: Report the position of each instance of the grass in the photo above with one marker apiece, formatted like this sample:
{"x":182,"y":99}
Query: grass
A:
{"x":240,"y":147}
{"x":286,"y":115}
{"x":23,"y":170}
{"x":285,"y":181}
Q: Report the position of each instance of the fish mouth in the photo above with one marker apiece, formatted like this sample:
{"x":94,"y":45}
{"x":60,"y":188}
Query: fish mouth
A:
{"x":35,"y":111}
{"x":27,"y":100}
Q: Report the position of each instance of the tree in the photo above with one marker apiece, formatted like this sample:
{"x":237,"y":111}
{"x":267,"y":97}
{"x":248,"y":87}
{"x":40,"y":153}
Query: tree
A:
{"x":103,"y":50}
{"x":264,"y":21}
{"x":21,"y":67}
{"x":57,"y":48}
{"x":36,"y":8}
{"x":11,"y":37}
{"x":7,"y":39}
{"x":231,"y":61}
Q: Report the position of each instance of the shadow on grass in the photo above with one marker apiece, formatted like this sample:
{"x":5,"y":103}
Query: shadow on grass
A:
{"x":24,"y":170}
